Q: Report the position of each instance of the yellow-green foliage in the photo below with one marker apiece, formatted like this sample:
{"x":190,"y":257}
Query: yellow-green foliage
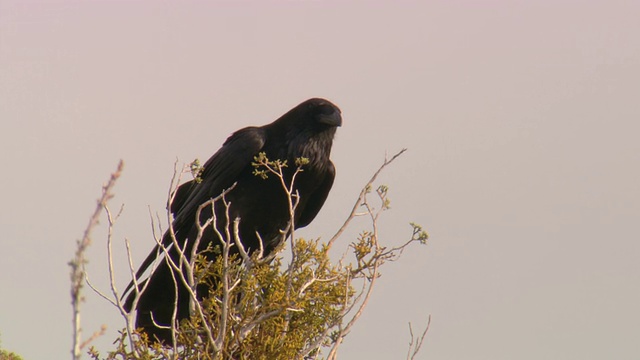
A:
{"x":307,"y":299}
{"x":273,"y":311}
{"x":6,"y":355}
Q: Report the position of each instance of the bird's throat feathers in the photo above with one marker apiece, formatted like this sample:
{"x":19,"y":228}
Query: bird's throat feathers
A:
{"x":314,"y":146}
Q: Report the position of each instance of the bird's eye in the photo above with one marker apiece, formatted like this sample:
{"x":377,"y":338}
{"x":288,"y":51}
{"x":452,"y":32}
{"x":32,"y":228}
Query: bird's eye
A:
{"x":325,"y":109}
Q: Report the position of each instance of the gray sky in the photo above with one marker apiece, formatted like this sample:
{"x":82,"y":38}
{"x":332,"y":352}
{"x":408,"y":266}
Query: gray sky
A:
{"x":521,"y":120}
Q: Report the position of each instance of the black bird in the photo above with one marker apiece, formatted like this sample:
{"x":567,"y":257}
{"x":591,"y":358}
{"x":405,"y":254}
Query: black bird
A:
{"x":306,"y":131}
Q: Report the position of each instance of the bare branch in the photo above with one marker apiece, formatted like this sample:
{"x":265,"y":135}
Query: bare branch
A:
{"x":79,"y":260}
{"x":94,"y":336}
{"x":363,"y":192}
{"x":416,"y":344}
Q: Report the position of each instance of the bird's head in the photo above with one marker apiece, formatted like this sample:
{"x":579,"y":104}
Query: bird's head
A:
{"x":307,"y":131}
{"x":311,"y":124}
{"x":322,"y":112}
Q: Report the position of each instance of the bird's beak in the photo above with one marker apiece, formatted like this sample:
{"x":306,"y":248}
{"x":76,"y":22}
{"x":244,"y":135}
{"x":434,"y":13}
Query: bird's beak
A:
{"x":334,"y":119}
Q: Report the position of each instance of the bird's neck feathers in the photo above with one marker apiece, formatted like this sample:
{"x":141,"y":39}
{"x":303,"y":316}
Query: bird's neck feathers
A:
{"x":314,"y":145}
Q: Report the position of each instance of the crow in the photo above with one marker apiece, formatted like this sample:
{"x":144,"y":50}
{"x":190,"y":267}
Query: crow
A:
{"x":261,"y":204}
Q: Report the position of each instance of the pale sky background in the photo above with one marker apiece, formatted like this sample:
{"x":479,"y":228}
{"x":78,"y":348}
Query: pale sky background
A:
{"x":522,"y":120}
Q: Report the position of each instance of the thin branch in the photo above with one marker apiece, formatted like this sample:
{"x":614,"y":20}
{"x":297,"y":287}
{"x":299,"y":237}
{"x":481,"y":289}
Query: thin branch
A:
{"x":376,"y":260}
{"x":79,"y":260}
{"x":363,"y":192}
{"x":94,"y":336}
{"x":416,"y":344}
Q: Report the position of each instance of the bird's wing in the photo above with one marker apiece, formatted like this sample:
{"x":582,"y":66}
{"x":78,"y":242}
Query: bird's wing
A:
{"x":220,"y":172}
{"x":181,"y":195}
{"x":222,"y":169}
{"x":317,"y":198}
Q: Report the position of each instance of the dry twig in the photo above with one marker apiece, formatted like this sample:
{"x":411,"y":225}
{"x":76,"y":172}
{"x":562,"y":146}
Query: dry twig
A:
{"x":78,"y":262}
